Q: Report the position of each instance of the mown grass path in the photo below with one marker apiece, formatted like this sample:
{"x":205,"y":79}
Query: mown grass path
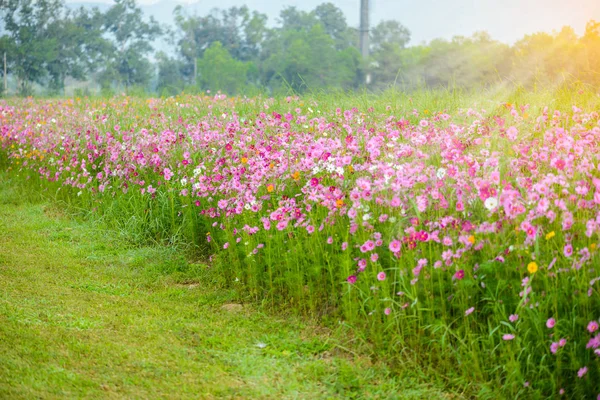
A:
{"x":83,"y":315}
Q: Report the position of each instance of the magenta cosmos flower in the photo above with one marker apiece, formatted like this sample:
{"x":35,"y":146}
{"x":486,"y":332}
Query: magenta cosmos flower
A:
{"x":459,"y":275}
{"x":351,"y":279}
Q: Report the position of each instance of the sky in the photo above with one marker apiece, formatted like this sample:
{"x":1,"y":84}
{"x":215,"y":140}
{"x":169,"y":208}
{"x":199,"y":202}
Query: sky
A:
{"x":505,"y":20}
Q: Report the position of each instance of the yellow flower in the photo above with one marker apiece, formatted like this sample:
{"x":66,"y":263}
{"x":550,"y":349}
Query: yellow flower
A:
{"x":244,"y":160}
{"x":270,"y":188}
{"x":593,"y":246}
{"x":532,"y":267}
{"x":471,"y":239}
{"x":550,"y":235}
{"x":296,"y":175}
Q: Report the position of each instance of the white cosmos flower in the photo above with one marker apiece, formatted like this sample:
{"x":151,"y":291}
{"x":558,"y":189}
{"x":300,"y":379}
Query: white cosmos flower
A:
{"x":441,"y":173}
{"x":491,"y":203}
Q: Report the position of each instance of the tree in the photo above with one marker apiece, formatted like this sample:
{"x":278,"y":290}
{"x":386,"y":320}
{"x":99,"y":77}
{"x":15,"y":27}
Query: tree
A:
{"x":388,"y":40}
{"x":334,"y":23}
{"x":389,"y":34}
{"x":239,"y":31}
{"x":131,"y":36}
{"x":302,"y":59}
{"x":218,"y":70}
{"x":29,"y":38}
{"x":591,"y":44}
{"x":170,"y":77}
{"x":79,"y":46}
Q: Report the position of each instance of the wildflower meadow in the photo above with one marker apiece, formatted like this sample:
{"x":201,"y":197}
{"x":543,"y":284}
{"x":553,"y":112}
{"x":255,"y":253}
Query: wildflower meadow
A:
{"x":456,"y":233}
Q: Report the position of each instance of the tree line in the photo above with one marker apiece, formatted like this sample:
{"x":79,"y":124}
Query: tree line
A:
{"x":236,"y":51}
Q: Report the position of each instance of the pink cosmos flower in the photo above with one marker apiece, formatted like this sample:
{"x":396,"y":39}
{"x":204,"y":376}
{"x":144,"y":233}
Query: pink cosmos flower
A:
{"x":582,"y":372}
{"x":593,"y":343}
{"x":362,"y":264}
{"x":381,"y":276}
{"x":550,"y":323}
{"x":281,"y":225}
{"x":374,"y":257}
{"x":508,"y":336}
{"x":387,"y":311}
{"x":395,"y":246}
{"x":329,"y":240}
{"x":168,"y":174}
{"x":513,"y":317}
{"x":592,"y":326}
{"x":469,"y":311}
{"x":568,"y":250}
{"x":344,"y":246}
{"x":226,"y":245}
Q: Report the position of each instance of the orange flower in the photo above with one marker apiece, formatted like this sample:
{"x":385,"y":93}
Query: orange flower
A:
{"x":471,"y":239}
{"x":296,"y":175}
{"x":270,"y":188}
{"x":339,"y":203}
{"x":244,"y":160}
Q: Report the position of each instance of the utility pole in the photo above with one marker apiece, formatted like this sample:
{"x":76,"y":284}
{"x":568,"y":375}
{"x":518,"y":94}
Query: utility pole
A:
{"x":195,"y":70}
{"x":5,"y":79}
{"x":364,"y":36}
{"x":364,"y":28}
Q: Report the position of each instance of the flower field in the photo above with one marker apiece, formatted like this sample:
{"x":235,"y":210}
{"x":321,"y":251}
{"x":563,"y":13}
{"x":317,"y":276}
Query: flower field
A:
{"x":461,"y":239}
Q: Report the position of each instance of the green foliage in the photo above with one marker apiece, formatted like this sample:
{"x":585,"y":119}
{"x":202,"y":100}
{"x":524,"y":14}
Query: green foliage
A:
{"x":131,"y":37}
{"x":218,"y":70}
{"x":305,"y":58}
{"x":313,"y":50}
{"x":29,"y":39}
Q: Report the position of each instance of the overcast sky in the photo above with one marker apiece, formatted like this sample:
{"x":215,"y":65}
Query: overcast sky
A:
{"x":505,"y":20}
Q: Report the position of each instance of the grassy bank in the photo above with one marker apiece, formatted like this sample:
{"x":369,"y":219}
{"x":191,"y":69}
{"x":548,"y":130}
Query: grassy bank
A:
{"x":84,"y":315}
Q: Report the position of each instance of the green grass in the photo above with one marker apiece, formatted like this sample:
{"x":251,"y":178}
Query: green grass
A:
{"x":84,"y":315}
